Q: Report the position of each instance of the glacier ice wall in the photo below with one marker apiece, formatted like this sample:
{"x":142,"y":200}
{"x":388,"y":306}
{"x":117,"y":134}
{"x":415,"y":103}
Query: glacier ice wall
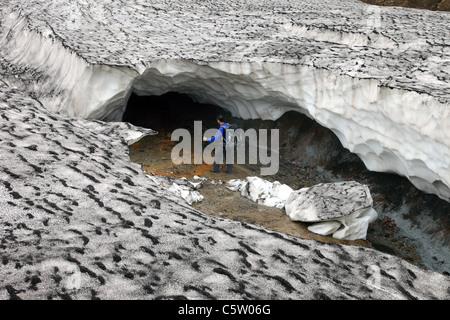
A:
{"x":377,"y":77}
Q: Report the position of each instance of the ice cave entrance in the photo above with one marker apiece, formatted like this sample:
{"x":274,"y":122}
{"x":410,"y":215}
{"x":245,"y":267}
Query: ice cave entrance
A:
{"x":302,"y":140}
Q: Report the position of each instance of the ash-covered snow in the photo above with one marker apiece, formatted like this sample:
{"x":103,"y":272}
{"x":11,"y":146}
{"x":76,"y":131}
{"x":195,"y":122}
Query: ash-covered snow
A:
{"x":78,"y":220}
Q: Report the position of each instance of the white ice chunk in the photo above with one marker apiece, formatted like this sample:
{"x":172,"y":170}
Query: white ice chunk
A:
{"x":182,"y":187}
{"x":271,"y":194}
{"x":325,"y":228}
{"x":343,"y":209}
{"x":355,"y":225}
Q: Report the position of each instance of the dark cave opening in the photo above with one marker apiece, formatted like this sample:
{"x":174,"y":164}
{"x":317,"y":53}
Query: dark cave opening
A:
{"x":170,"y":111}
{"x":301,"y":139}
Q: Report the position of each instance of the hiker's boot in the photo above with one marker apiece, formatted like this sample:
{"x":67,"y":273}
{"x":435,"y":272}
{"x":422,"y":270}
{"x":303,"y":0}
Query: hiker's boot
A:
{"x":215,"y":168}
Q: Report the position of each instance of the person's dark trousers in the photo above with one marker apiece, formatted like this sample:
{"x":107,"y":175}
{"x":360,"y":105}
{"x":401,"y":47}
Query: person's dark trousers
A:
{"x":215,"y":167}
{"x":229,"y":157}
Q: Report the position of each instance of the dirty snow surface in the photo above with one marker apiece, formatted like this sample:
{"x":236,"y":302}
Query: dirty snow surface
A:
{"x":78,"y":220}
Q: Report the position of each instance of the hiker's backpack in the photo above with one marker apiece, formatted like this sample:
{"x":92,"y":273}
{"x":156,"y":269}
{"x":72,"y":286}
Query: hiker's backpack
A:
{"x":233,"y":136}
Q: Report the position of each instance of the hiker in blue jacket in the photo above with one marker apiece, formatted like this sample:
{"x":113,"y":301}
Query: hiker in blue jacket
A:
{"x":220,"y":134}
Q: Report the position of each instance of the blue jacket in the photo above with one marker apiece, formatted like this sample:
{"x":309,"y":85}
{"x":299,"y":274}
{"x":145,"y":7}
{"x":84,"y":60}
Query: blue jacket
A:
{"x":219,"y":133}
